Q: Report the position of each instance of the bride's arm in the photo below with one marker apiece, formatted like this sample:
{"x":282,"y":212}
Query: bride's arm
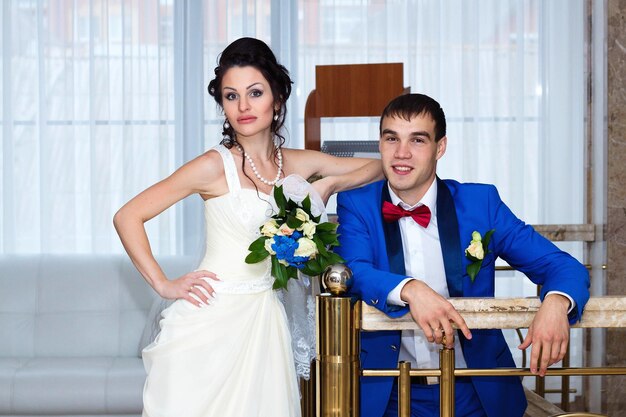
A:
{"x":371,"y":170}
{"x":197,"y":176}
{"x":339,"y":174}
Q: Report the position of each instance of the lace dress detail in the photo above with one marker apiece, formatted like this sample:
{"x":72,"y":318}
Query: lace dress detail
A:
{"x":299,"y":298}
{"x":299,"y":302}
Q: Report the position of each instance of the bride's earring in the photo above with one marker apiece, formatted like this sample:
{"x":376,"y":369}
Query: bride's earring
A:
{"x":226,"y":139}
{"x":275,"y":116}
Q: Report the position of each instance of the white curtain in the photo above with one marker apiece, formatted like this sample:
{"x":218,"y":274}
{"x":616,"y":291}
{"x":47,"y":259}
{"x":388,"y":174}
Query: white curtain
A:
{"x":87,"y":120}
{"x":489,"y":64}
{"x":101,"y":98}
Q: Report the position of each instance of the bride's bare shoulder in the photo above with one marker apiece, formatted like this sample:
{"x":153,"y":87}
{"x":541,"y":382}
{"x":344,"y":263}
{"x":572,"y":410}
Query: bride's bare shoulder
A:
{"x":206,"y":173}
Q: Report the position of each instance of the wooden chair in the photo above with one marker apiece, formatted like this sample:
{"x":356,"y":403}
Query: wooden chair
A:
{"x":355,"y":90}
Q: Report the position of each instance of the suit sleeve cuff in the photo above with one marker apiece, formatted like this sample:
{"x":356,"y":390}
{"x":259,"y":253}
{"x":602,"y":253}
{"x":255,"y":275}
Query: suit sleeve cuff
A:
{"x":394,"y":295}
{"x":572,"y":303}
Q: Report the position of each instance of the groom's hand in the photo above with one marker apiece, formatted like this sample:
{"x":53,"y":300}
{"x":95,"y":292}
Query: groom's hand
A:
{"x":433,"y":313}
{"x":548,"y":334}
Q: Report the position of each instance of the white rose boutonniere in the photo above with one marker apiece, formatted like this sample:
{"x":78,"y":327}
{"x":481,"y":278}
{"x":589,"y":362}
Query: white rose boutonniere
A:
{"x":476,"y":252}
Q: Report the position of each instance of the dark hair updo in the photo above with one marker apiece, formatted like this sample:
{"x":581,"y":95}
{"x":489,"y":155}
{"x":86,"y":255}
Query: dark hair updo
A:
{"x":252,"y":52}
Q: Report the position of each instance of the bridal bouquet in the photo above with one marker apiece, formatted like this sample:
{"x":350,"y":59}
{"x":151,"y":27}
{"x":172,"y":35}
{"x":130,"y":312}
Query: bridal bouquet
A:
{"x":295,"y":240}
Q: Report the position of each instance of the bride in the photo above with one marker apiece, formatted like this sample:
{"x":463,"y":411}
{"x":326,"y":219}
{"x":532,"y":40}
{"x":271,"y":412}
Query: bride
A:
{"x":224,"y":346}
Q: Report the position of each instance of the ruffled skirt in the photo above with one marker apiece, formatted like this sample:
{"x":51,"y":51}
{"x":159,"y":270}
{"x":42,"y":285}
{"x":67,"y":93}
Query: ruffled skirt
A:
{"x":231,"y":358}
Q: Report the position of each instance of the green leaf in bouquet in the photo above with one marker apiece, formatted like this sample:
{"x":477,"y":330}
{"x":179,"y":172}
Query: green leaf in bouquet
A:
{"x":279,"y":197}
{"x":326,"y":227}
{"x":335,"y":258}
{"x":257,"y":256}
{"x":293,"y":222}
{"x":312,"y":267}
{"x":306,"y":204}
{"x":290,"y":207}
{"x":292,"y":272}
{"x":321,"y":247}
{"x":316,"y":219}
{"x":279,"y":271}
{"x":329,"y":239}
{"x":258,"y":244}
{"x":326,"y":260}
{"x":308,"y":271}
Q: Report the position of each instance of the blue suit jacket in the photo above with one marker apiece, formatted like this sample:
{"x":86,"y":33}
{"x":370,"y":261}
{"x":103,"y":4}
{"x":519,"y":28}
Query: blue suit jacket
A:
{"x":373,"y":250}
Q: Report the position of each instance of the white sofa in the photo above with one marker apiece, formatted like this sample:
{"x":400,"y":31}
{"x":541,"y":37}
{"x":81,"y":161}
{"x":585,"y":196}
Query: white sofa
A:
{"x":71,"y":333}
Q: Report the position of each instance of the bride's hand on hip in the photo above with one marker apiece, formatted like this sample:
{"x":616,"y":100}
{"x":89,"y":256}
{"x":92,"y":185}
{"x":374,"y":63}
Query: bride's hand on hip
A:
{"x":192,"y":283}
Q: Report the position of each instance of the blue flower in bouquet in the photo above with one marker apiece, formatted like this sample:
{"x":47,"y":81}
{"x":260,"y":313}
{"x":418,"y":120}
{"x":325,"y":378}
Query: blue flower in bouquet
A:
{"x":296,"y":235}
{"x":295,"y":240}
{"x":285,"y":247}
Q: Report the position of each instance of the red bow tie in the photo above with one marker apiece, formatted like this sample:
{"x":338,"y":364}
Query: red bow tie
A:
{"x":392,"y":213}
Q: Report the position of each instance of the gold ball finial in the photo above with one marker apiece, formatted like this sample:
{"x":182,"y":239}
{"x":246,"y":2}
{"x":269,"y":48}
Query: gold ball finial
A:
{"x":337,"y":279}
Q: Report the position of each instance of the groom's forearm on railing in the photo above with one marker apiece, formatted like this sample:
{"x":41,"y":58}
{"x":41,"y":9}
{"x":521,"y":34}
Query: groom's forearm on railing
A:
{"x":505,"y":313}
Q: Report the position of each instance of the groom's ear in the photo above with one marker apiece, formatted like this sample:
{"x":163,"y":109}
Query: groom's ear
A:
{"x":441,"y":146}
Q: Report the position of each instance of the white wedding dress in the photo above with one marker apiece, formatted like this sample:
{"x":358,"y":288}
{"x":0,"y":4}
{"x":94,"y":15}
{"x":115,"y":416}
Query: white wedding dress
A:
{"x":233,"y":357}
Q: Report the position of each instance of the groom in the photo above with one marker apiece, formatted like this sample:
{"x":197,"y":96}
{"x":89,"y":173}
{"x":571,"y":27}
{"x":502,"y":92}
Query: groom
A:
{"x":405,"y":240}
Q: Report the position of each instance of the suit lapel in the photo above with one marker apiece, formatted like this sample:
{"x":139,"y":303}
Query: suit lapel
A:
{"x":448,"y":227}
{"x":393,"y":239}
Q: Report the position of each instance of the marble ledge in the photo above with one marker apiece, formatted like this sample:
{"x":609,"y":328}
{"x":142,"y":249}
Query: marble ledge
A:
{"x":567,"y":232}
{"x":505,"y":313}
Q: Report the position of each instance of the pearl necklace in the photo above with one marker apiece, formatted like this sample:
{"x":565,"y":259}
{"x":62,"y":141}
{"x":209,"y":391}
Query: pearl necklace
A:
{"x":256,"y":172}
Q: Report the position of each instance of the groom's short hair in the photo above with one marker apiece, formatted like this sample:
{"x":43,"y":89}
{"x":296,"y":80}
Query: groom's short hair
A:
{"x":408,"y":106}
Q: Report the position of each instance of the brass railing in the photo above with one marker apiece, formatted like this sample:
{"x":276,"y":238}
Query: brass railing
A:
{"x":340,"y":321}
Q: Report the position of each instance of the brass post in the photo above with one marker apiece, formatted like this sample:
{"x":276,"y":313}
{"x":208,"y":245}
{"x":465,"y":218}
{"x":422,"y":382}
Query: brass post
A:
{"x":565,"y":382}
{"x":446,"y":382}
{"x":540,"y":382}
{"x":337,"y":361}
{"x":307,"y":389}
{"x":540,"y":385}
{"x":404,"y":389}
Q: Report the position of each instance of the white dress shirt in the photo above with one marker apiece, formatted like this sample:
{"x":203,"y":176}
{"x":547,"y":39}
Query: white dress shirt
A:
{"x":422,"y":260}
